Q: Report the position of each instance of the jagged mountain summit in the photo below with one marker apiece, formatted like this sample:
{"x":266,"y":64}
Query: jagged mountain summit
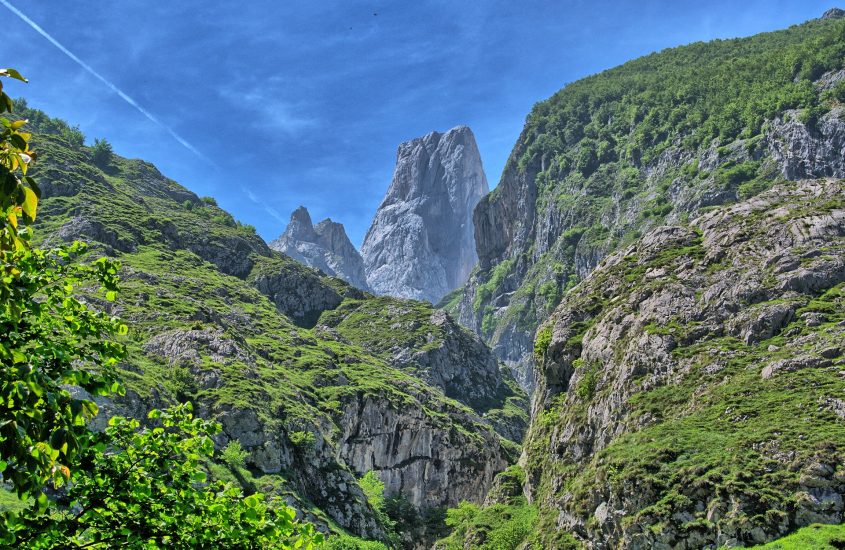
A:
{"x":834,"y":13}
{"x":421,"y":243}
{"x":324,"y":246}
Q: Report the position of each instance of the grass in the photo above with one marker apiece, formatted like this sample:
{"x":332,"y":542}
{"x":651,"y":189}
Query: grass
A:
{"x":812,"y":537}
{"x":9,"y":501}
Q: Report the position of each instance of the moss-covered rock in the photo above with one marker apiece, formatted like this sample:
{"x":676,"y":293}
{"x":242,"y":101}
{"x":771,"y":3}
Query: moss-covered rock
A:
{"x":690,"y":391}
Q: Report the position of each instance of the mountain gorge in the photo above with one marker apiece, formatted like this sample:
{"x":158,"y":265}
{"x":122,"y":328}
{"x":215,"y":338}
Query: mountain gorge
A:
{"x":639,"y":336}
{"x":318,"y":381}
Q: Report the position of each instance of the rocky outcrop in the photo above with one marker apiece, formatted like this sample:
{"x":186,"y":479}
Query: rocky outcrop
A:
{"x":420,"y":244}
{"x":803,"y":151}
{"x":427,"y":464}
{"x":459,"y":363}
{"x":324,"y":246}
{"x":834,"y":13}
{"x":427,"y":343}
{"x":684,"y":384}
{"x":298,"y":292}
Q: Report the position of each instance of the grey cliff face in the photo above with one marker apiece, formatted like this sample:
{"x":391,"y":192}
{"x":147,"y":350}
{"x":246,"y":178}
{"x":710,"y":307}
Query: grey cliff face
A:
{"x":428,"y":465}
{"x":834,"y":13}
{"x":324,"y":246}
{"x":421,"y":243}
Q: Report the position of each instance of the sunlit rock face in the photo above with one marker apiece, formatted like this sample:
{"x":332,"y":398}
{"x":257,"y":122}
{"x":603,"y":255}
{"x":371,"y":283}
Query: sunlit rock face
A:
{"x":421,"y":243}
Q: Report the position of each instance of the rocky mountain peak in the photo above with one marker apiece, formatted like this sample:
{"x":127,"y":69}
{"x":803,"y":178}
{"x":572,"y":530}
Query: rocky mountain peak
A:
{"x":325,"y":247}
{"x":421,"y":243}
{"x":300,"y":225}
{"x":834,"y":13}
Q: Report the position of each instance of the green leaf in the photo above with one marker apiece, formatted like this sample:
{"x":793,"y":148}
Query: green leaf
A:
{"x":12,"y":73}
{"x":18,"y":141}
{"x":30,"y":203}
{"x":32,"y":185}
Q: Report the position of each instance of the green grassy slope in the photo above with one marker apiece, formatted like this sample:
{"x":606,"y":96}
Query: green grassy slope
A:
{"x":814,"y":537}
{"x":218,"y":318}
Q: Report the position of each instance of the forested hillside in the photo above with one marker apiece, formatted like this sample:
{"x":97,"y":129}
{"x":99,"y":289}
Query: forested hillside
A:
{"x":656,"y":140}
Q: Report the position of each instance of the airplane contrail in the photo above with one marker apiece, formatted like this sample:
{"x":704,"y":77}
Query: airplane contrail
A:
{"x":37,"y":28}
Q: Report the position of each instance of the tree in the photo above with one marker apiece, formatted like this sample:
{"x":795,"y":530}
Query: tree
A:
{"x":19,"y":193}
{"x":101,"y":152}
{"x":144,"y":488}
{"x":49,"y":339}
{"x":127,"y":487}
{"x":234,"y":455}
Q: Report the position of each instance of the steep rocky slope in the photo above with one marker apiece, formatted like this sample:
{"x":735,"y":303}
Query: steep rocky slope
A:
{"x":657,"y":140}
{"x":420,"y":244}
{"x":324,"y":246}
{"x":690,"y":389}
{"x":218,"y":318}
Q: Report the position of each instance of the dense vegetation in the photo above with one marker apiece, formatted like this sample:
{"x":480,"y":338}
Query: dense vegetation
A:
{"x":724,"y":89}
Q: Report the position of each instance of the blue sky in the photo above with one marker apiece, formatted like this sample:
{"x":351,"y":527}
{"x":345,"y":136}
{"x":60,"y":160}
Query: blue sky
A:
{"x":291,"y":103}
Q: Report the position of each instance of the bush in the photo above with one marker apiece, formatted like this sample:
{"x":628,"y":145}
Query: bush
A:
{"x":346,"y":542}
{"x":373,"y":488}
{"x":301,"y":439}
{"x":73,"y":135}
{"x":101,"y":152}
{"x":542,"y":341}
{"x":234,"y":455}
{"x":731,"y":176}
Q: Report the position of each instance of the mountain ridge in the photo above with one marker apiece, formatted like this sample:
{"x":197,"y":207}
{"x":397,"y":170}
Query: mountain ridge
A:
{"x":324,"y":246}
